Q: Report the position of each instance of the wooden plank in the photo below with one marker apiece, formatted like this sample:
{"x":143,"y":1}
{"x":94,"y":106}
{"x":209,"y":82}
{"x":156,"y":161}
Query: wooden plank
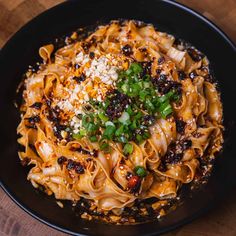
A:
{"x":221,"y":12}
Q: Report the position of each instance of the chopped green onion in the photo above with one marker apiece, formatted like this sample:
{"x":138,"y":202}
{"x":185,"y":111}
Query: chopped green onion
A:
{"x":166,"y":111}
{"x":172,"y":95}
{"x":76,"y":136}
{"x":164,"y":105}
{"x":90,"y":127}
{"x":175,"y":97}
{"x":142,"y":95}
{"x":146,"y":135}
{"x":119,"y":131}
{"x":122,"y":139}
{"x":109,"y":123}
{"x":93,"y":139}
{"x":134,"y":124}
{"x":138,"y":115}
{"x":143,"y":99}
{"x":149,"y":105}
{"x":129,"y":71}
{"x":106,"y":104}
{"x":129,"y":110}
{"x":147,"y":77}
{"x":140,"y":171}
{"x":128,"y":148}
{"x":82,"y":132}
{"x":146,"y":85}
{"x":79,"y":135}
{"x":109,"y":131}
{"x":125,"y":88}
{"x":140,"y":83}
{"x":136,"y":68}
{"x":139,"y":138}
{"x":124,"y":118}
{"x":135,"y":90}
{"x":86,"y":120}
{"x":163,"y":98}
{"x":103,"y":117}
{"x":104,"y":146}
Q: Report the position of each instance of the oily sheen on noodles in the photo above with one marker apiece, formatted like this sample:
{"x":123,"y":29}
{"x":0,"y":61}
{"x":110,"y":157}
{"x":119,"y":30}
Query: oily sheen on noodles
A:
{"x":125,"y":115}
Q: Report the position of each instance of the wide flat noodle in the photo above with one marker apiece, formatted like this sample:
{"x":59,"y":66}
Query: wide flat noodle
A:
{"x":104,"y":178}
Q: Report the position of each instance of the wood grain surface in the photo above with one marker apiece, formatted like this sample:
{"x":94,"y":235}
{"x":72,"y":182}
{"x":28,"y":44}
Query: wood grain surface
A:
{"x":14,"y":221}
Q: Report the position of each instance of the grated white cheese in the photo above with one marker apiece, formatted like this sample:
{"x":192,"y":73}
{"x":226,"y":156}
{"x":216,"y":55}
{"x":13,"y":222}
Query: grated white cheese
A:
{"x":78,"y":111}
{"x":99,"y":98}
{"x":76,"y":131}
{"x":102,"y":69}
{"x":65,"y":105}
{"x":75,"y":124}
{"x":86,"y":97}
{"x":80,"y":58}
{"x":75,"y":119}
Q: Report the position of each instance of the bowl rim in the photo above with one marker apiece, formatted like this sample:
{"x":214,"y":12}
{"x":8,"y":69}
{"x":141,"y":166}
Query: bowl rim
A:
{"x":35,"y":215}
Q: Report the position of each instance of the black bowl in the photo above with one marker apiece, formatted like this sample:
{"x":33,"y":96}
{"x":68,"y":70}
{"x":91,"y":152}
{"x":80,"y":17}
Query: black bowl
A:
{"x":22,"y":50}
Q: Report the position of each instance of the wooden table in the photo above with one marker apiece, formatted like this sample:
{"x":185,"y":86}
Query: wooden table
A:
{"x":14,"y":221}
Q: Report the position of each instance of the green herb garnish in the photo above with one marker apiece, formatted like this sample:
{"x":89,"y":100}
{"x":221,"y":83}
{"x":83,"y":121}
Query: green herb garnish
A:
{"x":128,"y":149}
{"x":140,"y":171}
{"x":144,"y":106}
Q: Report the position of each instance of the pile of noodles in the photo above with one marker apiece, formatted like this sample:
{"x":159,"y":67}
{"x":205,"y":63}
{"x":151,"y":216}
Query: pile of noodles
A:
{"x":104,"y":179}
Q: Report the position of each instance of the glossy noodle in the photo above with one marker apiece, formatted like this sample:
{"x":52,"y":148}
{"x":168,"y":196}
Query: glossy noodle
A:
{"x":74,"y":152}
